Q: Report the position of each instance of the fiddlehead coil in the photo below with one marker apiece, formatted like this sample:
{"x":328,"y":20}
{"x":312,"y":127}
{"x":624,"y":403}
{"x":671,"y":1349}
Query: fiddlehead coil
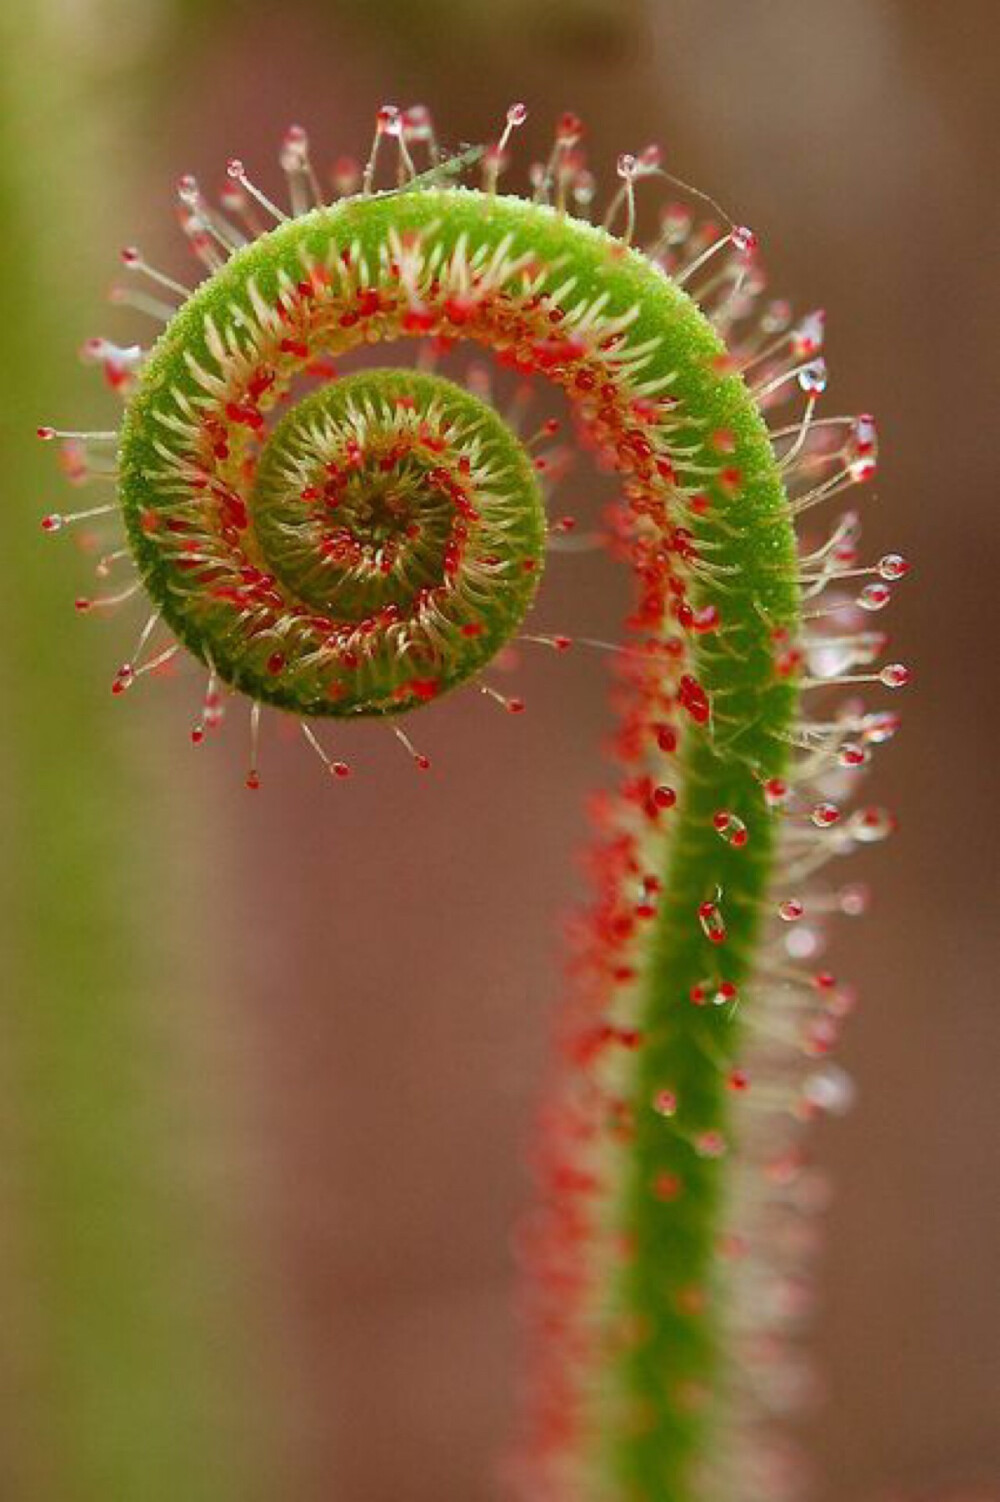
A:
{"x":377,"y":545}
{"x":390,"y":541}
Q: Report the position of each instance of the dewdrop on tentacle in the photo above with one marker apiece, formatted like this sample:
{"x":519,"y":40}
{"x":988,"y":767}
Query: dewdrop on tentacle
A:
{"x":331,"y":543}
{"x":710,"y":918}
{"x":731,"y":828}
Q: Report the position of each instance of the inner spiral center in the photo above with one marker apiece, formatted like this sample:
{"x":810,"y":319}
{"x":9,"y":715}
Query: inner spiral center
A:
{"x":395,"y":502}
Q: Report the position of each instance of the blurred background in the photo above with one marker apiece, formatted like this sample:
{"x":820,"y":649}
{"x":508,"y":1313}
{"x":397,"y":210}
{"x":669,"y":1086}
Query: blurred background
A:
{"x":267,"y":1063}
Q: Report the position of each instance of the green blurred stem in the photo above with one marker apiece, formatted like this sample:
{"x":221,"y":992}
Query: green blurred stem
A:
{"x":124,"y":1326}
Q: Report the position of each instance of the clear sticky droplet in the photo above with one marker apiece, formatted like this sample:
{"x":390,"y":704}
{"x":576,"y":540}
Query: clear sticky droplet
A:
{"x":807,"y":338}
{"x":864,"y":433}
{"x":776,"y":792}
{"x":874,"y":597}
{"x":870,"y":825}
{"x":712,"y":924}
{"x":803,"y":941}
{"x":892,"y":566}
{"x":187,"y":189}
{"x":861,"y":469}
{"x":730,"y":828}
{"x":830,"y":1089}
{"x":853,"y":899}
{"x":584,"y":188}
{"x":852,"y":754}
{"x":813,"y":378}
{"x":725,"y":994}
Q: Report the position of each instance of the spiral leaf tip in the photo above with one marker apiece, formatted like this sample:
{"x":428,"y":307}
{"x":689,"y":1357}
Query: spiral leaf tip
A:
{"x":390,"y":541}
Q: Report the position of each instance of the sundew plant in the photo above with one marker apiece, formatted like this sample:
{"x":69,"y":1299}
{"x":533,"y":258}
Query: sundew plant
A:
{"x":328,"y":544}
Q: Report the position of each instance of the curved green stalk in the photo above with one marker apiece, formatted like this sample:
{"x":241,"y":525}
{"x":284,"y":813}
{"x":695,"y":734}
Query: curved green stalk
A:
{"x":382,"y":542}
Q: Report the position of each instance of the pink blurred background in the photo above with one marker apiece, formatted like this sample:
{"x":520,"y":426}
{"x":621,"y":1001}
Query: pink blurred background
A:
{"x":362,"y":1049}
